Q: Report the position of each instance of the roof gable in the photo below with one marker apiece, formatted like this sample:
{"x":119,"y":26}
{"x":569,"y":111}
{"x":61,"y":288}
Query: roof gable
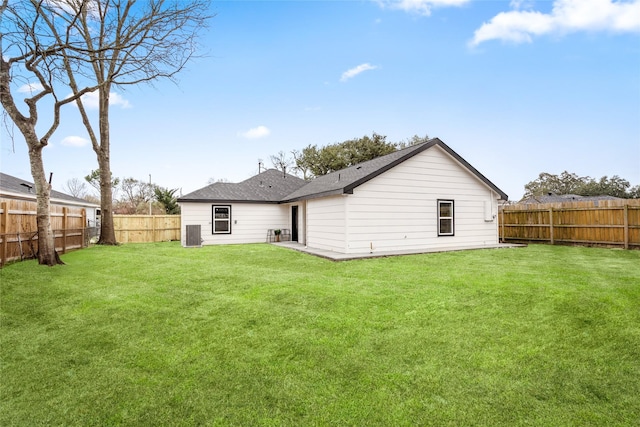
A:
{"x":344,"y":181}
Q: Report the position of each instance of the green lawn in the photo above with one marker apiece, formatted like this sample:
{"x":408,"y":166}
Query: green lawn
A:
{"x":158,"y":335}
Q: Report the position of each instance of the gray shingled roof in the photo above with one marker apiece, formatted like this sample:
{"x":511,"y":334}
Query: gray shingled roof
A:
{"x":267,"y":187}
{"x":345,"y":180}
{"x":20,"y":186}
{"x":291,"y":188}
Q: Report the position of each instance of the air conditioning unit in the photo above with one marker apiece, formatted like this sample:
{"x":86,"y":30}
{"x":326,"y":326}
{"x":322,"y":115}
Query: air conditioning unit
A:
{"x":194,"y":236}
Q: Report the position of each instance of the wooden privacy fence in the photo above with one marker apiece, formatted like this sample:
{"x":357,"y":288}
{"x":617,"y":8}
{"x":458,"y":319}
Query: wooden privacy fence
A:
{"x":614,"y":223}
{"x":146,"y":228}
{"x":19,"y":232}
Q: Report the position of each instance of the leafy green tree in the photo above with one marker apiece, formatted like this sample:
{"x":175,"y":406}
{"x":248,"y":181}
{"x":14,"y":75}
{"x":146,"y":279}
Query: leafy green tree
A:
{"x":570,"y":183}
{"x":168,"y":199}
{"x":614,"y":186}
{"x":359,"y":150}
{"x":305,"y":159}
{"x":565,"y":183}
{"x":313,"y":161}
{"x":415,"y":139}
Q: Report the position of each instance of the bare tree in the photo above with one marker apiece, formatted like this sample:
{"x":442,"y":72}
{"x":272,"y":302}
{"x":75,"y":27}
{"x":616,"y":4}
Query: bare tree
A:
{"x":76,"y":187}
{"x":281,"y":161}
{"x":213,"y":180}
{"x":134,"y":194}
{"x":118,"y":43}
{"x":29,"y":72}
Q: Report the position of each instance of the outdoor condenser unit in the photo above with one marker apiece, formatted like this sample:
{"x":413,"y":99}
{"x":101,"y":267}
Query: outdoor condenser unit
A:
{"x":194,"y":239}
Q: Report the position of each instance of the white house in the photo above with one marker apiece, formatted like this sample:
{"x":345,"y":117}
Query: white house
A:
{"x":421,"y":198}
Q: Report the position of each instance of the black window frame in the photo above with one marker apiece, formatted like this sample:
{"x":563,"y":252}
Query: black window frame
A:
{"x":452,"y":218}
{"x":213,"y":219}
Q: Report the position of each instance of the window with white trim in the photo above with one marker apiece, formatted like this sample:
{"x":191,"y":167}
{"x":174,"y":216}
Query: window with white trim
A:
{"x":445,"y":218}
{"x":221,"y":223}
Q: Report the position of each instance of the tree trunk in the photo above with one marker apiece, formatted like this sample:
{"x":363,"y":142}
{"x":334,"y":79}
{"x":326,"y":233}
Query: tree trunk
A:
{"x":46,"y":239}
{"x":107,"y":230}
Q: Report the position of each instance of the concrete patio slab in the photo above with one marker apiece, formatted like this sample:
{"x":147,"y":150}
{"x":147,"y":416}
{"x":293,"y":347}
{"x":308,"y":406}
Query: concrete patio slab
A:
{"x":337,"y":256}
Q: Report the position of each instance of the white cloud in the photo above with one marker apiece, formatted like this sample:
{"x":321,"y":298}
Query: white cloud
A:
{"x":421,"y":7}
{"x":74,"y":141}
{"x":255,"y":133}
{"x":30,"y":88}
{"x":356,"y":70}
{"x":117,"y":99}
{"x":566,"y":16}
{"x":91,"y":100}
{"x":521,"y":4}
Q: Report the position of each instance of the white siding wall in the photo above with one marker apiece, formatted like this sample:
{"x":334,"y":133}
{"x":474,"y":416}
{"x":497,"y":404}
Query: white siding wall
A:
{"x":326,"y":223}
{"x":249,"y":221}
{"x":398,"y":209}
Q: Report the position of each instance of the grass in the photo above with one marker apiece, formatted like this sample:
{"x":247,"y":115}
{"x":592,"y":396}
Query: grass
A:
{"x":158,"y":335}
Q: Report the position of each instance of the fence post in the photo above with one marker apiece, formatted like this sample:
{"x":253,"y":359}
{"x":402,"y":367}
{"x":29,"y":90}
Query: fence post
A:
{"x":4,"y":224}
{"x":502,"y":224}
{"x":64,"y":229}
{"x":551,"y":225}
{"x":626,"y":226}
{"x":85,"y":241}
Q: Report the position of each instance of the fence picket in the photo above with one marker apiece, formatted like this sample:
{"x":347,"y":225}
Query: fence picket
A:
{"x":611,"y":223}
{"x":18,"y":229}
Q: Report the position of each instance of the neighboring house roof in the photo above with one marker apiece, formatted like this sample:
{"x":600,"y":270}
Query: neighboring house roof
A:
{"x":564,"y":198}
{"x":266,"y":187}
{"x":339,"y":182}
{"x":11,"y":186}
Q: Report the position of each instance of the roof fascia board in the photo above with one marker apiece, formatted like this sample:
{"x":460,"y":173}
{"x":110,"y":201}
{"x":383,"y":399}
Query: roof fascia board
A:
{"x":227,"y":201}
{"x":336,"y":192}
{"x":69,"y":202}
{"x":21,"y":196}
{"x":32,"y":197}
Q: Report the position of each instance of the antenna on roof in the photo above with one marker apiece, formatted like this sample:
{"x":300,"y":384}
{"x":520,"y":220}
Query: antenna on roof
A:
{"x":284,"y":171}
{"x":260,"y":165}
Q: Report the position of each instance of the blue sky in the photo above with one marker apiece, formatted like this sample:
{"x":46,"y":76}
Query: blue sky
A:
{"x":516,"y":88}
